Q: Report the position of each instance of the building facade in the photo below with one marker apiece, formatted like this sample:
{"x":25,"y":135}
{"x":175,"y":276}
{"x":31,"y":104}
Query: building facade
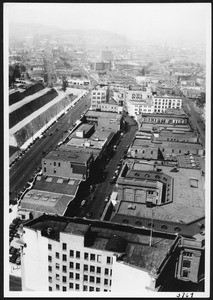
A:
{"x":162,"y":103}
{"x":67,"y":164}
{"x":139,"y":102}
{"x":72,"y":255}
{"x":105,"y":120}
{"x":107,"y":55}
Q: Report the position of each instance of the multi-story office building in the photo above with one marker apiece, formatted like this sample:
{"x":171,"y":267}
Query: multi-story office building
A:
{"x":98,"y":96}
{"x":105,"y":120}
{"x":67,"y":163}
{"x":101,"y":66}
{"x":105,"y":100}
{"x":66,"y":254}
{"x":107,"y":55}
{"x":139,"y":102}
{"x":162,"y":103}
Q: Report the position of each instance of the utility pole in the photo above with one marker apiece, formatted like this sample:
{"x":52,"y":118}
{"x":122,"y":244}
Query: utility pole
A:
{"x":150,"y":240}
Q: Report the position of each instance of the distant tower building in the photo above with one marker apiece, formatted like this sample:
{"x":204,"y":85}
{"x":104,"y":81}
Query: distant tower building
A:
{"x":28,"y":40}
{"x":107,"y":55}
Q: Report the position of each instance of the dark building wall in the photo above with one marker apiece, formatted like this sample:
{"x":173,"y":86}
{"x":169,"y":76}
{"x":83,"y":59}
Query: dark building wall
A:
{"x":164,"y":119}
{"x":190,"y":260}
{"x":61,"y":168}
{"x":161,"y":225}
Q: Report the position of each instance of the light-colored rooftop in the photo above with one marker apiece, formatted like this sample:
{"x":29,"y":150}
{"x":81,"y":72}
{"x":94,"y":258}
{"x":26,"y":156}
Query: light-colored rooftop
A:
{"x":180,"y":145}
{"x":102,"y":135}
{"x":57,"y":185}
{"x":88,"y":143}
{"x":136,"y":247}
{"x":73,"y":155}
{"x":103,"y":114}
{"x":188,"y":202}
{"x":46,"y":202}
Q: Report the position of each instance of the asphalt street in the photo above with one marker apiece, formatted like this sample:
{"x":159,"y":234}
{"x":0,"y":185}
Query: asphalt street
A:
{"x":195,"y":117}
{"x":96,"y":203}
{"x":15,"y":283}
{"x":25,"y":167}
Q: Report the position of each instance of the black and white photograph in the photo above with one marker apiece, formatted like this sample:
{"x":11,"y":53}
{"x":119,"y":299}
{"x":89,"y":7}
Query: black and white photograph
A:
{"x":107,"y":125}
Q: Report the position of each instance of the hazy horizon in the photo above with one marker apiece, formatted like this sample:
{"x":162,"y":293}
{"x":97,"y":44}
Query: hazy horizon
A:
{"x":156,"y":22}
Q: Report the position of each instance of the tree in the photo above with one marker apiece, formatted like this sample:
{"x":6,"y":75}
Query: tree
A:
{"x":64,"y":85}
{"x":22,"y":68}
{"x":143,"y":72}
{"x":11,"y":75}
{"x":17,"y":73}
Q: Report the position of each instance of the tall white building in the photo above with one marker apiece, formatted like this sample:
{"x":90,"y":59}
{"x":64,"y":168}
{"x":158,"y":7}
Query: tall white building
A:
{"x":66,"y":254}
{"x":99,"y":96}
{"x":138,"y":102}
{"x":162,"y":103}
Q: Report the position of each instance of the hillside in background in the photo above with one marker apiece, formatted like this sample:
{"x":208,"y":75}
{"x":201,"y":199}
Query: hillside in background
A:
{"x":89,"y":37}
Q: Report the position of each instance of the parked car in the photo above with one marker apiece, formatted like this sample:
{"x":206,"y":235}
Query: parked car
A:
{"x":13,"y":258}
{"x":12,"y":250}
{"x":12,"y":232}
{"x":113,"y":180}
{"x":18,"y":260}
{"x":17,"y":235}
{"x":107,"y":199}
{"x":83,"y":203}
{"x":12,"y":226}
{"x":17,"y":221}
{"x":89,"y":214}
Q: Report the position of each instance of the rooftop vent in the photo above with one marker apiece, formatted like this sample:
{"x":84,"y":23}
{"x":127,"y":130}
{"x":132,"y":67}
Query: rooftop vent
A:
{"x":116,"y":243}
{"x":175,"y":169}
{"x":133,"y":207}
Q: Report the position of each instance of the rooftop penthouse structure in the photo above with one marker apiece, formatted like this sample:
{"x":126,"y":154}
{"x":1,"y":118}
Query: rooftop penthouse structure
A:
{"x":73,"y":254}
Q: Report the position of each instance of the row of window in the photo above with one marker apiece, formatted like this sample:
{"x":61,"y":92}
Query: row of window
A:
{"x":98,"y":93}
{"x":91,"y":269}
{"x":167,"y":106}
{"x":150,"y":224}
{"x":54,"y":164}
{"x":86,"y":278}
{"x":77,"y":288}
{"x":167,"y":100}
{"x":77,"y":254}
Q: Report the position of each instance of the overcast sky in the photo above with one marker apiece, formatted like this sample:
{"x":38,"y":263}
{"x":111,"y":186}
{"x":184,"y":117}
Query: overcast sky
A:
{"x":138,"y":21}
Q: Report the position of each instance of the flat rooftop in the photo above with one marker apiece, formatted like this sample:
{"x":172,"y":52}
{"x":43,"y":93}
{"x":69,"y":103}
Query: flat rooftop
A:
{"x":187,"y":161}
{"x":86,"y":143}
{"x":45,"y":202}
{"x":183,"y":145}
{"x":144,"y":143}
{"x":168,"y":96}
{"x":169,"y":113}
{"x":113,"y":238}
{"x":102,"y":135}
{"x":188,"y":202}
{"x":103,"y":114}
{"x":85,"y":127}
{"x":69,"y":155}
{"x":57,"y":185}
{"x":176,"y":133}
